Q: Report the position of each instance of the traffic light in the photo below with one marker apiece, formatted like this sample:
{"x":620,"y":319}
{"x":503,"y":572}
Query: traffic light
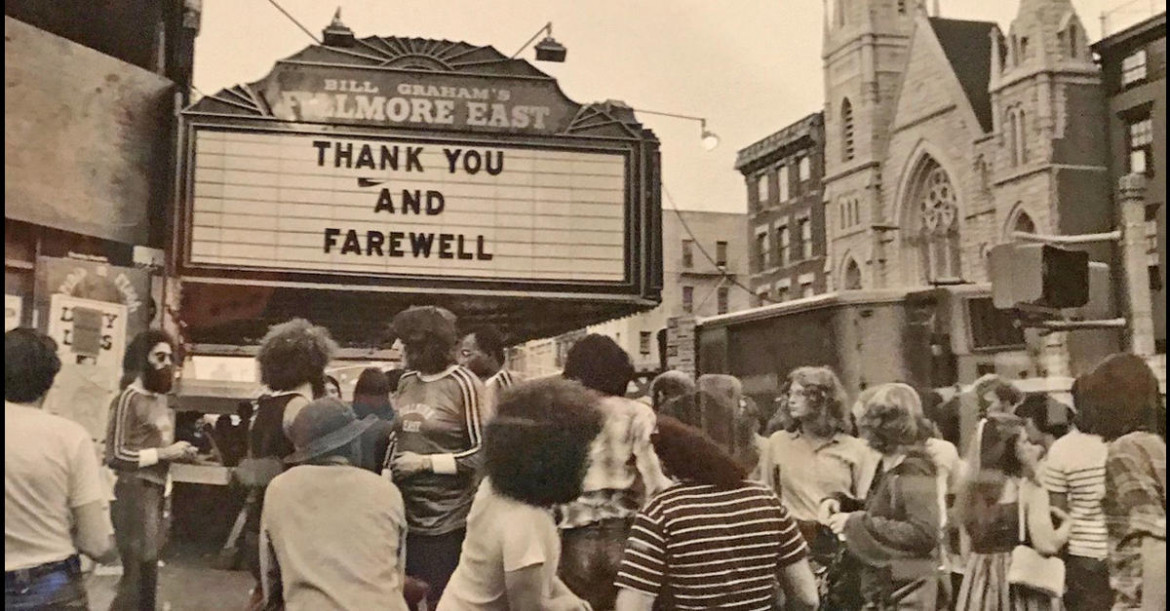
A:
{"x":1039,"y":275}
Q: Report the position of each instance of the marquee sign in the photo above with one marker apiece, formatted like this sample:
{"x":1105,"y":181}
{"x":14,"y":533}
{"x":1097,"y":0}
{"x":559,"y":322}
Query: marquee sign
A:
{"x":343,"y":205}
{"x":403,"y":170}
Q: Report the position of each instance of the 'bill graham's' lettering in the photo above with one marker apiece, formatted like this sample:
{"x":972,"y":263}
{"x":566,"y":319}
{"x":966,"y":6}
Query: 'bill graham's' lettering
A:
{"x":403,"y":244}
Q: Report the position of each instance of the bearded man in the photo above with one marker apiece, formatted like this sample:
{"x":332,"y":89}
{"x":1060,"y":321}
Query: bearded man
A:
{"x":140,"y":445}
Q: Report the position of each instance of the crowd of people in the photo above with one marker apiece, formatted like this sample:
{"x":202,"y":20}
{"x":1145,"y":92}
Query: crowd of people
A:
{"x":451,"y":485}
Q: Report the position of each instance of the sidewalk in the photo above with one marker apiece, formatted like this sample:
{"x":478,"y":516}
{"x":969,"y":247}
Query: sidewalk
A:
{"x":182,"y":589}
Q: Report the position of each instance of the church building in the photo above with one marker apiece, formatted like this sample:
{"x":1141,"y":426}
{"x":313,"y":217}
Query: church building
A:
{"x":944,"y":136}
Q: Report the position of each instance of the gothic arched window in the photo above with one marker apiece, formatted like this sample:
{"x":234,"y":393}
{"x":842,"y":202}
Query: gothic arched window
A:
{"x":847,"y":150}
{"x":934,"y":208}
{"x":852,"y":275}
{"x":1024,"y":223}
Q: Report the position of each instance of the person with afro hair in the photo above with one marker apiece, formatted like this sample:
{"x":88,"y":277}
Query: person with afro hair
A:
{"x":292,"y":360}
{"x":536,"y":455}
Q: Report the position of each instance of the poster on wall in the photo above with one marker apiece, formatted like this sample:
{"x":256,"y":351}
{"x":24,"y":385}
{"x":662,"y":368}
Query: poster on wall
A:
{"x":126,"y":286}
{"x":13,"y":310}
{"x":91,"y":339}
{"x":680,"y":343}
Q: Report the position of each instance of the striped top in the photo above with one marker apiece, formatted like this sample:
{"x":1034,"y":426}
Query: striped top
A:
{"x":1075,"y":466}
{"x":141,"y":422}
{"x":439,"y":416}
{"x":698,"y":547}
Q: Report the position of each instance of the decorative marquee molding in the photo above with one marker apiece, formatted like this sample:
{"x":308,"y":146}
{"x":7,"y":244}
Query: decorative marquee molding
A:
{"x":422,"y":57}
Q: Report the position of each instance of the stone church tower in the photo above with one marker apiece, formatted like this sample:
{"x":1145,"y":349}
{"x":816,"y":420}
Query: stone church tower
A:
{"x":864,"y":53}
{"x":1048,"y":151}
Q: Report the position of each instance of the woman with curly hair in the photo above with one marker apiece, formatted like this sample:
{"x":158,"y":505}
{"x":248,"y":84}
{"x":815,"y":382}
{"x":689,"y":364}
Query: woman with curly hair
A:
{"x":1120,"y":401}
{"x":1000,"y":506}
{"x":896,"y":535}
{"x":292,"y":360}
{"x":713,"y":540}
{"x":536,"y":453}
{"x":815,"y":459}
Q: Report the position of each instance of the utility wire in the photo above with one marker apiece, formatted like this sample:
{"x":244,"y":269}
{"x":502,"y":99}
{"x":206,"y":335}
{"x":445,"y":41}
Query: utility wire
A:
{"x":722,"y":268}
{"x":294,"y":20}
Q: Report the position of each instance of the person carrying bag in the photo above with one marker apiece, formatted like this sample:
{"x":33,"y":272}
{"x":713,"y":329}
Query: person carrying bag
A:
{"x":1031,"y":569}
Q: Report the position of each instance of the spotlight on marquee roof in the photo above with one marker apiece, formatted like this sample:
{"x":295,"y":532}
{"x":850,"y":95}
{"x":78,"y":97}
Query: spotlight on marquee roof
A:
{"x":547,"y":50}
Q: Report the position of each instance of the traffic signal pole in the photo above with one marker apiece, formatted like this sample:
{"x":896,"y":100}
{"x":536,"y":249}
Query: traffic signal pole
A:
{"x":1131,"y":198}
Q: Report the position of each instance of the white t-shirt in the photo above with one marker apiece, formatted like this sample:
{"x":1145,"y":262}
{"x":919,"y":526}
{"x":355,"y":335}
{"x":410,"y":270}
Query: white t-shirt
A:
{"x":50,"y":468}
{"x":503,"y":535}
{"x":1075,"y":466}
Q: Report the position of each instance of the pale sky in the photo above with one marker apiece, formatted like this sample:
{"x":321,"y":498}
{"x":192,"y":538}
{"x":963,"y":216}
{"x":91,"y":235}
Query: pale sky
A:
{"x":749,"y":66}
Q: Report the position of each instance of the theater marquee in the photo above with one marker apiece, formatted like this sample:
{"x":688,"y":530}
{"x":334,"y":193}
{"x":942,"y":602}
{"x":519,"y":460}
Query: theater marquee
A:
{"x":356,"y":179}
{"x":343,"y":205}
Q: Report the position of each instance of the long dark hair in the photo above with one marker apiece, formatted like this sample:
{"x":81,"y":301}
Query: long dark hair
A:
{"x":691,"y":456}
{"x":1119,"y":397}
{"x":136,"y":359}
{"x":992,"y":461}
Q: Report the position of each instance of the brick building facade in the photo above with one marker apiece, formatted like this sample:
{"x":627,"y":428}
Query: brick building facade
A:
{"x":1133,"y":65}
{"x":786,"y":218}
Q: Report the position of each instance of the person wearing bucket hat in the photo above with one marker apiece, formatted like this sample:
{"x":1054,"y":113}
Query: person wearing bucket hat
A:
{"x":435,"y":452}
{"x":331,"y":535}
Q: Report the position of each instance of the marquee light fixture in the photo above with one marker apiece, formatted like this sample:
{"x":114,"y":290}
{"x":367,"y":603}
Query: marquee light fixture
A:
{"x":547,"y":50}
{"x":707,"y":137}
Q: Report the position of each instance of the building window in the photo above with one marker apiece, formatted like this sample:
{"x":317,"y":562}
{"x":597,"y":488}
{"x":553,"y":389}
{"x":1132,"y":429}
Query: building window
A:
{"x":1022,"y":137}
{"x":721,"y":296}
{"x":806,"y":290}
{"x":935,"y":204}
{"x":721,"y":254}
{"x":1141,"y":141}
{"x":1024,"y":223}
{"x":1152,"y":232}
{"x":852,"y":276}
{"x":806,"y":242}
{"x":761,"y":251}
{"x":762,"y":298}
{"x":901,"y":7}
{"x":688,"y":254}
{"x":804,"y":169}
{"x":847,"y":151}
{"x":1133,"y":68}
{"x":782,"y":294}
{"x":1073,"y":43}
{"x":644,"y":343}
{"x":782,"y":178}
{"x":762,"y":190}
{"x":782,"y":245}
{"x":1023,"y":48}
{"x":1155,"y":273}
{"x":1017,"y":135}
{"x":688,"y":294}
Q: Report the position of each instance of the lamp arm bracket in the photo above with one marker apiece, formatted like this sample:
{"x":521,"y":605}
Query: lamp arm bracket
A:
{"x":545,"y":28}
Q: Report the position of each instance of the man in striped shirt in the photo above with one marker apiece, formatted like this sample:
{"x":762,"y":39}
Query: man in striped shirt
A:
{"x":435,"y":451}
{"x":713,"y":541}
{"x":140,"y":445}
{"x":1074,"y":474}
{"x":482,"y":351}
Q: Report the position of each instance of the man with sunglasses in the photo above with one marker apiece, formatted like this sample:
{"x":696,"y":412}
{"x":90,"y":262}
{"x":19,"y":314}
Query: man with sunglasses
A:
{"x":140,"y":445}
